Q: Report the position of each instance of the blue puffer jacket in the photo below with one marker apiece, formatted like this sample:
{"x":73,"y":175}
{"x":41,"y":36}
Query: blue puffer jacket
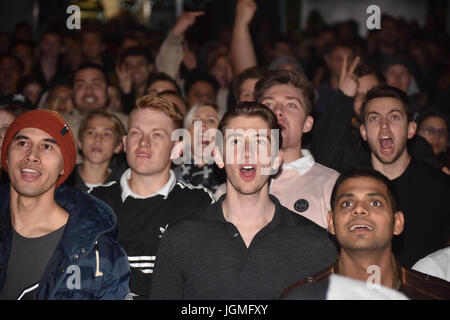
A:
{"x":88,"y":262}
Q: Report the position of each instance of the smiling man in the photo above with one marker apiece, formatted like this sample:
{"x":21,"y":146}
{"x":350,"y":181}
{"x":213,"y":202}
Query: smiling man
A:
{"x":364,"y":218}
{"x":48,"y":228}
{"x":247,"y":245}
{"x":423,"y":190}
{"x":148,"y":197}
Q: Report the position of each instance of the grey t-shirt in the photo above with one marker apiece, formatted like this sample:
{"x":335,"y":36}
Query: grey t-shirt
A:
{"x":27,"y":262}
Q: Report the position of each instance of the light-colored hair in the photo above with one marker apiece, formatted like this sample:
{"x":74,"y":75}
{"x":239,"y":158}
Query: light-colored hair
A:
{"x":192,"y":111}
{"x":159,"y":104}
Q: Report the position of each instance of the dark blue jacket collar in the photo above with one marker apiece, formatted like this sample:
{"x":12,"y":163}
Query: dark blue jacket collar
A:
{"x":89,"y":218}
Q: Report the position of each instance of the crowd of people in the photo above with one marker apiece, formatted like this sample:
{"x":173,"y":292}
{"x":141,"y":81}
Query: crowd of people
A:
{"x":107,"y":204}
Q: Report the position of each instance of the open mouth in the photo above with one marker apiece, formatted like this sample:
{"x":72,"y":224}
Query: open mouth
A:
{"x":29,"y":174}
{"x":360,"y":228}
{"x":386,"y":145}
{"x":247,"y":172}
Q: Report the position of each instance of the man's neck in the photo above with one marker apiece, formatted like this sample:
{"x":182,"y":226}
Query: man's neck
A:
{"x":249,"y":213}
{"x":139,"y":89}
{"x":94,"y":172}
{"x":334,"y":81}
{"x":145,"y":185}
{"x":292,"y":154}
{"x":37,"y":216}
{"x":377,"y":267}
{"x":392,"y":170}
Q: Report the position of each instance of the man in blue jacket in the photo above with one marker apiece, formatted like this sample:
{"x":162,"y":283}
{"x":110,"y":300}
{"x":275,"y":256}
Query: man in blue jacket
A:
{"x":55,"y":242}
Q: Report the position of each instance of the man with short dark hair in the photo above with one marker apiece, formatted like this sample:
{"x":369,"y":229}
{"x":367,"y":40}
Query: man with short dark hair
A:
{"x":364,"y":218}
{"x":55,"y":241}
{"x":387,"y":125}
{"x":303,"y":185}
{"x":133,"y":72}
{"x":247,"y":245}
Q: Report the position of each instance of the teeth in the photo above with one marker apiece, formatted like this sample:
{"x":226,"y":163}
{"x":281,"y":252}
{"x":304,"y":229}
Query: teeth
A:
{"x":360,"y":226}
{"x":385,"y":137}
{"x":247,"y":167}
{"x":29,"y":170}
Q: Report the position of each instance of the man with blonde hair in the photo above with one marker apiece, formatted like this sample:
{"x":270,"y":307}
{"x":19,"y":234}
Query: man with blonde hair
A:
{"x":148,"y":196}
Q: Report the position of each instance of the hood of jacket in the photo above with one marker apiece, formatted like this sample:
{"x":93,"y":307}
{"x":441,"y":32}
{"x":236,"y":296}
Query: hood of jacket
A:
{"x":89,"y":218}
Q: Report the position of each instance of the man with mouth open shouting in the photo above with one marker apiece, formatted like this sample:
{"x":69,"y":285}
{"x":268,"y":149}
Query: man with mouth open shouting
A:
{"x":364,"y":218}
{"x":246,"y":245}
{"x":303,"y":186}
{"x":423,"y":191}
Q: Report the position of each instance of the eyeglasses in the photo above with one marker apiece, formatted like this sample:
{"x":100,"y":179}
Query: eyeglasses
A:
{"x":428,"y":131}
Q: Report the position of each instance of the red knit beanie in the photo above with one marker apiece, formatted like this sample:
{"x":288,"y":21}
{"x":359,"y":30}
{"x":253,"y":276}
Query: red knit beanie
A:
{"x":52,"y":123}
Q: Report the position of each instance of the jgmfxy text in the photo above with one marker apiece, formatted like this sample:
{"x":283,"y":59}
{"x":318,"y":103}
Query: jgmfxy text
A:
{"x":227,"y":310}
{"x":249,"y":147}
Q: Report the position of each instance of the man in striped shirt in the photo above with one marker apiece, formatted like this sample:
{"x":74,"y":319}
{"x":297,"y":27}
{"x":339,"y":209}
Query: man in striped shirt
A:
{"x":148,"y":197}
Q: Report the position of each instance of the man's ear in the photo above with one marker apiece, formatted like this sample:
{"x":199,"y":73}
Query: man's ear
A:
{"x":124,"y":142}
{"x":362,"y":131}
{"x":308,"y":124}
{"x":399,"y":222}
{"x":412,"y":127}
{"x":118,"y":147}
{"x":177,"y":150}
{"x":151,"y":67}
{"x":330,"y":223}
{"x":278,"y":161}
{"x":218,"y":159}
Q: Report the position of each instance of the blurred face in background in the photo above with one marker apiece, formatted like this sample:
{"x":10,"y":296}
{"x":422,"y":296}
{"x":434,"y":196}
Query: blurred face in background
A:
{"x":435,"y":131}
{"x":6,"y":118}
{"x":60,"y":99}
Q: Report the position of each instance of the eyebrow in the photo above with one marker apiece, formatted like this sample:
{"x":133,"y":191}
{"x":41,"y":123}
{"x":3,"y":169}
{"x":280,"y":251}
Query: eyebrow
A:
{"x":370,"y":195}
{"x":287,"y":97}
{"x":50,"y":140}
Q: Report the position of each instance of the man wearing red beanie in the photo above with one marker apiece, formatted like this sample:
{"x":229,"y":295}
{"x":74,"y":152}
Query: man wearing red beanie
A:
{"x":55,"y":241}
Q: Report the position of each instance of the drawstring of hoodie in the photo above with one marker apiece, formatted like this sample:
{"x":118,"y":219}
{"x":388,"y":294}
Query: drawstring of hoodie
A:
{"x":98,"y":273}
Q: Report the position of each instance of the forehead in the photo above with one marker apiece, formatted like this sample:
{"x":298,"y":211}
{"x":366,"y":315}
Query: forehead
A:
{"x":202,"y":85}
{"x":135,"y":59}
{"x":436,"y":122}
{"x":146,"y":118}
{"x":100,"y":121}
{"x":362,"y":185}
{"x":384,"y":105}
{"x":283,"y":91}
{"x":341,"y":51}
{"x":34,"y":134}
{"x":246,"y":123}
{"x":162,"y":84}
{"x":89,"y":74}
{"x":208,"y":110}
{"x":397,"y":68}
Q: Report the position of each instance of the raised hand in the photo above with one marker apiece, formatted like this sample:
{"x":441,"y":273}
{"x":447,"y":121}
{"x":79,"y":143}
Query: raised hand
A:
{"x":245,"y":10}
{"x":184,"y":21}
{"x":348,"y":81}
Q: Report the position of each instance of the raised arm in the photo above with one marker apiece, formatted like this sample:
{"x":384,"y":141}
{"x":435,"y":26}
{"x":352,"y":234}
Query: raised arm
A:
{"x":171,"y":53}
{"x":242,"y":51}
